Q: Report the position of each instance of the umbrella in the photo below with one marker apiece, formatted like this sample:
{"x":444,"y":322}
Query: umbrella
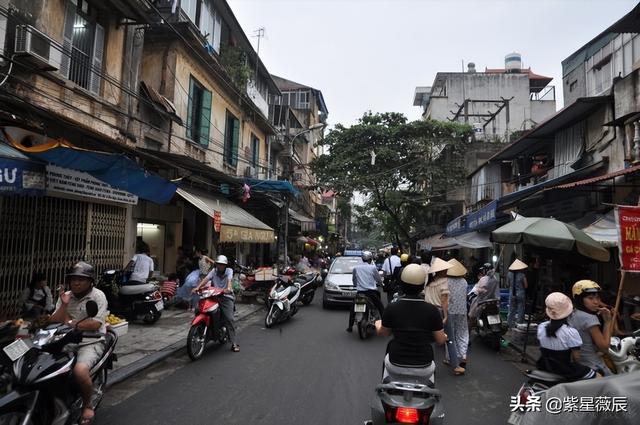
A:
{"x":550,"y":233}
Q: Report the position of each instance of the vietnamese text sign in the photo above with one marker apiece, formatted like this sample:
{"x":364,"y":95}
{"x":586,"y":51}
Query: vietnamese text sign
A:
{"x":21,"y":177}
{"x":245,"y":234}
{"x":217,"y":221}
{"x":628,"y":224}
{"x":83,"y":184}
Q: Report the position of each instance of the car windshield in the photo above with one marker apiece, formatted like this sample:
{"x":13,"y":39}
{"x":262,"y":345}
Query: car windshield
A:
{"x":344,"y":265}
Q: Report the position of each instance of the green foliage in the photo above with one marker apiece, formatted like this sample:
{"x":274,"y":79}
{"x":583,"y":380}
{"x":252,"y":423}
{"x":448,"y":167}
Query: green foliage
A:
{"x":234,"y":59}
{"x":416,"y":164}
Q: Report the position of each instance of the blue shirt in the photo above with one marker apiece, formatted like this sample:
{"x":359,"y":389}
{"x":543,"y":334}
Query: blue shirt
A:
{"x":190,"y":282}
{"x":221,"y":281}
{"x":365,"y":277}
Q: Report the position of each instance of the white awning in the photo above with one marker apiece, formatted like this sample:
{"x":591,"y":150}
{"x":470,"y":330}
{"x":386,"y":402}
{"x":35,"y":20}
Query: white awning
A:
{"x":237,"y":224}
{"x":471,"y":240}
{"x":603,"y":230}
{"x":305,"y":223}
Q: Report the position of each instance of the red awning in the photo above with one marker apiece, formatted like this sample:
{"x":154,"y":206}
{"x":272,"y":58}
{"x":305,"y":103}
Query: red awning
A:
{"x":586,"y":182}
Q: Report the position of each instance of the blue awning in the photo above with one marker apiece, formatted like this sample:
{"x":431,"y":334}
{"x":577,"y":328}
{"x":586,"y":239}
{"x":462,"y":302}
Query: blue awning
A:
{"x":485,"y":217}
{"x":20,"y":176}
{"x":273,"y":186}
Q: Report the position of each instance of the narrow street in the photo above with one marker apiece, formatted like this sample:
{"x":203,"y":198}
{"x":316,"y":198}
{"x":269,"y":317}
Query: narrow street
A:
{"x":306,"y":371}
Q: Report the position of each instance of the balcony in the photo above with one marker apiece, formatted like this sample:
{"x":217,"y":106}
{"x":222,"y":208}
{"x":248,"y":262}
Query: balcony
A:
{"x":547,"y":93}
{"x":257,"y":97}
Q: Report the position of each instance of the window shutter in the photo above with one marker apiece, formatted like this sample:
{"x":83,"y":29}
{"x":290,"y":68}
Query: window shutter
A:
{"x":67,"y":39}
{"x":190,"y":103}
{"x":234,"y":146}
{"x":96,"y":62}
{"x":205,"y":118}
{"x":217,"y":32}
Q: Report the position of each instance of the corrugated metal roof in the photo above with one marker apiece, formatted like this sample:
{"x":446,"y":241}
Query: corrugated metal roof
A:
{"x":592,"y":180}
{"x":9,"y":152}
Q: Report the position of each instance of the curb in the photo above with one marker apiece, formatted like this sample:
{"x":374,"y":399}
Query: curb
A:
{"x":138,"y":366}
{"x":518,"y":348}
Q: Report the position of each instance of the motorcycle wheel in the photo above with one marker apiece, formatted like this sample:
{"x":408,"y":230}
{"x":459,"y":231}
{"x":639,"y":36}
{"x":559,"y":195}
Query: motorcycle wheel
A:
{"x":362,"y":329}
{"x":272,"y":317}
{"x":308,"y":297}
{"x":151,"y":318}
{"x":15,"y":418}
{"x":196,"y":341}
{"x":495,"y":342}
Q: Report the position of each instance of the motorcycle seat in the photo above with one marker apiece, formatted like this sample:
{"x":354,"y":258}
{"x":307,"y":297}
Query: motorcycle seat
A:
{"x":137,"y":289}
{"x":545,"y":376}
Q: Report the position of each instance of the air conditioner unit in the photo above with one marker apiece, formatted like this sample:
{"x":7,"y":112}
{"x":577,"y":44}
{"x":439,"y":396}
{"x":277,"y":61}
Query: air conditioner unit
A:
{"x":250,"y":171}
{"x":37,"y":48}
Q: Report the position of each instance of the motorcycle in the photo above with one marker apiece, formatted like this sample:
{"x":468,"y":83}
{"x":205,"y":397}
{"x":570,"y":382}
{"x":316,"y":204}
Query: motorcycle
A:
{"x":255,"y":283}
{"x":490,"y":326}
{"x":625,"y":353}
{"x":43,"y":390}
{"x":308,"y":281}
{"x":282,"y":302}
{"x":407,"y":399}
{"x":207,"y":324}
{"x":537,"y":382}
{"x":366,"y":315}
{"x":131,"y":301}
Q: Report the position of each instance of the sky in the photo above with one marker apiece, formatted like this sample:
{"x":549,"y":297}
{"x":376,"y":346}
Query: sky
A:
{"x":372,"y":54}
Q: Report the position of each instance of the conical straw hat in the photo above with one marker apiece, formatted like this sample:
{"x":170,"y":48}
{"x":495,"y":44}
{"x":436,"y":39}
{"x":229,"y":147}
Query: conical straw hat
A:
{"x":437,"y":265}
{"x":517,"y":265}
{"x":457,"y":269}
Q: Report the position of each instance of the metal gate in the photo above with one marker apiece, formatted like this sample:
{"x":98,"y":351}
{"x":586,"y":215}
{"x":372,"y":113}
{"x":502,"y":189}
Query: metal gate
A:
{"x":50,"y":235}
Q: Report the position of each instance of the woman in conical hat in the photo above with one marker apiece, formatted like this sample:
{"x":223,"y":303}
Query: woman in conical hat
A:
{"x":518,"y":284}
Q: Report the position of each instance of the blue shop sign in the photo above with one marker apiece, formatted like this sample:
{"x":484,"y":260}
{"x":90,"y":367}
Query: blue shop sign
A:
{"x":457,"y":226}
{"x":482,"y":218}
{"x":20,"y":177}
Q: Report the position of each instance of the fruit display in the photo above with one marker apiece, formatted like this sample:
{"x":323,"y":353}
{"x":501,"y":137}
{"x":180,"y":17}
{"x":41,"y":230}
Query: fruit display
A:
{"x":114,"y":320}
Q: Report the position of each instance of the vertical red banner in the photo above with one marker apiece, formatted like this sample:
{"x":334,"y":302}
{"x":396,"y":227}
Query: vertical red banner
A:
{"x":628,"y":224}
{"x":217,"y":221}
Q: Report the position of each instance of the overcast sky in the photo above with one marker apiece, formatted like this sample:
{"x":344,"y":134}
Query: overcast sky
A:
{"x":371,"y":54}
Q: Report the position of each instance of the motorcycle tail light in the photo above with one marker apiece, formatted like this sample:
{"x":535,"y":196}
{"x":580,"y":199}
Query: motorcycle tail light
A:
{"x":157,"y":295}
{"x":525,"y":393}
{"x":407,"y":415}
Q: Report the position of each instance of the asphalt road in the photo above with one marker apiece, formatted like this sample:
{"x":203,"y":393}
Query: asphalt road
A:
{"x":306,"y":371}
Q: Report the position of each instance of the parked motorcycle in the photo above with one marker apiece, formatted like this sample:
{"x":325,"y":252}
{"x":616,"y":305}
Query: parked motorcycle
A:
{"x":407,"y":399}
{"x":207,"y":324}
{"x":366,"y":315}
{"x":43,"y":388}
{"x":255,"y":283}
{"x":625,"y":353}
{"x":490,"y":327}
{"x":142,"y":301}
{"x":282,"y":302}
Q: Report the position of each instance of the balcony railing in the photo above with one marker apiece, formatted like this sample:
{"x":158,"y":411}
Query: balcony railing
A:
{"x":547,"y":93}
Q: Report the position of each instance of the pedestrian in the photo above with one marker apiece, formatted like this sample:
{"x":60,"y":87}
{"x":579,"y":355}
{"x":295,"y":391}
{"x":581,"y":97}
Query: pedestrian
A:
{"x":141,"y":265}
{"x":560,"y":343}
{"x":517,"y":281}
{"x":458,"y":332}
{"x":221,"y":276}
{"x":437,"y":294}
{"x":36,"y":298}
{"x":204,"y":262}
{"x":426,"y":256}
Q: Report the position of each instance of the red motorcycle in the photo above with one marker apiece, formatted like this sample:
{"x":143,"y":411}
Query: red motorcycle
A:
{"x":207,"y":324}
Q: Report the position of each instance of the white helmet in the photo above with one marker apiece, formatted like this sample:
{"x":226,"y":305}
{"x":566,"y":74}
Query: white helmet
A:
{"x":222,"y":259}
{"x":367,"y":256}
{"x":413,"y":274}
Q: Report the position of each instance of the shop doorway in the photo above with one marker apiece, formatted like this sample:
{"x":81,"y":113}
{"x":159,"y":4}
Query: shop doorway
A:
{"x":154,"y":235}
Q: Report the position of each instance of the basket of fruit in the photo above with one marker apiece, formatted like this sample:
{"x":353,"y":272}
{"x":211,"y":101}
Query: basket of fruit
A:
{"x":117,"y":324}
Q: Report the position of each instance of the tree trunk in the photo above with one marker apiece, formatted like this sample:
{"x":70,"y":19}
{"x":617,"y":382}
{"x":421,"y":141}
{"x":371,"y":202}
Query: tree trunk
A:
{"x":383,"y":206}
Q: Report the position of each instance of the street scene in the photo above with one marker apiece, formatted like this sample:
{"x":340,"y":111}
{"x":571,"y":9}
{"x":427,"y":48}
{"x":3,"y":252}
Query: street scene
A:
{"x":319,"y":212}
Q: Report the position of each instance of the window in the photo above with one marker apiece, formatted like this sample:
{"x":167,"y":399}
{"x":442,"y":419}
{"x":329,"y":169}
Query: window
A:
{"x":573,"y":85}
{"x":198,"y":113}
{"x":303,"y":100}
{"x":255,"y":151}
{"x":189,"y":7}
{"x":151,"y":144}
{"x":210,"y":24}
{"x":83,"y":46}
{"x":231,"y":140}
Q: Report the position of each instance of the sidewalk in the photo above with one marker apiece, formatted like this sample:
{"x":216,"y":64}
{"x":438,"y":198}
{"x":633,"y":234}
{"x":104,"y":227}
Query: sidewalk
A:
{"x":145,"y":345}
{"x":533,"y":349}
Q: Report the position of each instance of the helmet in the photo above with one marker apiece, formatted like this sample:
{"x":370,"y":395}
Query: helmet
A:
{"x":222,"y":259}
{"x":486,"y":267}
{"x":585,"y":287}
{"x":81,"y":269}
{"x":413,"y":274}
{"x":367,"y":256}
{"x":404,"y":258}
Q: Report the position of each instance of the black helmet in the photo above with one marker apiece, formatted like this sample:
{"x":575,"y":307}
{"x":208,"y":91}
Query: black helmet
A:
{"x":486,"y":267}
{"x":81,"y":269}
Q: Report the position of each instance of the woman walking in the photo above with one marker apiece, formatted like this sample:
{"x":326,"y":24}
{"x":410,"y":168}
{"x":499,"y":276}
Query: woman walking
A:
{"x":518,"y":284}
{"x":457,"y":318}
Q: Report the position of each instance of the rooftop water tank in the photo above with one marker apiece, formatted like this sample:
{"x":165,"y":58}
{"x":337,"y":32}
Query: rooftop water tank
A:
{"x":471,"y":68}
{"x":513,"y":62}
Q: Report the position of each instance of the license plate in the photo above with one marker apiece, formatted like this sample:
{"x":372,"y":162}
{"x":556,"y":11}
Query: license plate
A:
{"x":516,"y":418}
{"x":360,"y":308}
{"x":16,"y":349}
{"x":159,"y":305}
{"x":493,"y":319}
{"x":349,"y":293}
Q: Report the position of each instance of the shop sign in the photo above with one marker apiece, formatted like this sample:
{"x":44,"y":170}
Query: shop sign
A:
{"x":78,"y":183}
{"x":628,"y":225}
{"x":456,"y":226}
{"x":217,"y":221}
{"x":245,"y":234}
{"x":21,"y":177}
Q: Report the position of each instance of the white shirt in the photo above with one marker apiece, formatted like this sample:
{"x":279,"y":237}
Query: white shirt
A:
{"x":566,"y":338}
{"x":142,"y":267}
{"x":390,"y":264}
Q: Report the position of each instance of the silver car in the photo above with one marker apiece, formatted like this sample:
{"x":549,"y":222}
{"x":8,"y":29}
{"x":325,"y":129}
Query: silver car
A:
{"x":338,"y":285}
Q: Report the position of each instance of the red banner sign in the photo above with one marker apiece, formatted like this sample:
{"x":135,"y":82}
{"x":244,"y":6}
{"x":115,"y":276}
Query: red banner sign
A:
{"x":217,"y":221}
{"x":628,"y":223}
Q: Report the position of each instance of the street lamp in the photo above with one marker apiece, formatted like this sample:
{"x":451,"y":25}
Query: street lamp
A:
{"x":317,"y":126}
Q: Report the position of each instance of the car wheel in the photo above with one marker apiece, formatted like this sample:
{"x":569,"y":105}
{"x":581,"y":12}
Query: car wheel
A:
{"x":325,"y":304}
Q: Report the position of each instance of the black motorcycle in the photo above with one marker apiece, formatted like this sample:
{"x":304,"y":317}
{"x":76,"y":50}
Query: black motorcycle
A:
{"x":366,"y":314}
{"x":43,"y":389}
{"x":138,"y":301}
{"x":309,"y":282}
{"x":490,"y":327}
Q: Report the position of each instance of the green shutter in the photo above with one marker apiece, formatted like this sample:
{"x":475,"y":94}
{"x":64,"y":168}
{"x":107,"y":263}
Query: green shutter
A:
{"x":192,"y":87}
{"x":236,"y":139}
{"x":205,"y":118}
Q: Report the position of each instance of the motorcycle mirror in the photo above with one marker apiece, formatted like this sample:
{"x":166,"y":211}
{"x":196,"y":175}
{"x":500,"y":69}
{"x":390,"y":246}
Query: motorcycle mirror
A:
{"x":92,"y":308}
{"x":324,"y":273}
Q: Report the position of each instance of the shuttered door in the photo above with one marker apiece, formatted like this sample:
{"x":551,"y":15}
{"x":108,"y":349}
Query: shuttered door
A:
{"x":50,"y":235}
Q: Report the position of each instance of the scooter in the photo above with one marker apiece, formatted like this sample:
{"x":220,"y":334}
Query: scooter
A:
{"x":366,"y":315}
{"x":537,"y":382}
{"x":282,"y":302}
{"x":404,"y":398}
{"x":309,"y":282}
{"x":625,"y":353}
{"x":207,"y":324}
{"x":490,"y":326}
{"x":255,"y":283}
{"x":131,"y":301}
{"x":43,"y":388}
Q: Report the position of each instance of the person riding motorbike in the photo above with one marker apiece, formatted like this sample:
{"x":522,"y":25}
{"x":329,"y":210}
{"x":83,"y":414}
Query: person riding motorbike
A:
{"x":592,"y":319}
{"x":487,"y":287}
{"x":388,"y":267}
{"x":220,"y":277}
{"x":414,"y":324}
{"x":71,"y":309}
{"x":366,"y":278}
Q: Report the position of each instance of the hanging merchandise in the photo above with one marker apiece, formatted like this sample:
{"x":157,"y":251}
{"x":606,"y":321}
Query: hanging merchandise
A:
{"x":246,"y":192}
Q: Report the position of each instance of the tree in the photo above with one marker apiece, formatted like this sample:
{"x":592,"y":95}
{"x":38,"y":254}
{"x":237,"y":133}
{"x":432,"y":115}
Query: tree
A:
{"x":416,"y":163}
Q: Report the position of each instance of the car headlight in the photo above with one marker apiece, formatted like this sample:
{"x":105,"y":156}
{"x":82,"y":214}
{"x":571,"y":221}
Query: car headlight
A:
{"x":330,"y":284}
